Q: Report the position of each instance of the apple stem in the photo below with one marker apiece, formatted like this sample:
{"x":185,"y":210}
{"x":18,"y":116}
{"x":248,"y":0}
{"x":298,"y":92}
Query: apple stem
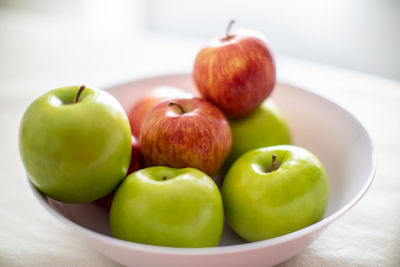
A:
{"x":173,"y":103}
{"x":164,"y":178}
{"x":274,"y":163}
{"x":228,"y":29}
{"x":79,"y":93}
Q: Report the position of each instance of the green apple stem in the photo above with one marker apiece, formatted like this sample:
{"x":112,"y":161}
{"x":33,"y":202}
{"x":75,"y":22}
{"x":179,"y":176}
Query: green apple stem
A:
{"x":274,"y":163}
{"x":228,"y":30}
{"x":79,"y":93}
{"x":173,"y":103}
{"x":164,"y":178}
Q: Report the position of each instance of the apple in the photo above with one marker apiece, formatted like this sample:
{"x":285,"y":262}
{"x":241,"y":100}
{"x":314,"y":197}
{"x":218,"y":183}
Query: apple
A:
{"x":136,"y":163}
{"x":168,"y":207}
{"x":148,"y":101}
{"x":236,"y":72}
{"x":264,"y":127}
{"x":186,"y":133}
{"x":273,"y":191}
{"x":75,"y":143}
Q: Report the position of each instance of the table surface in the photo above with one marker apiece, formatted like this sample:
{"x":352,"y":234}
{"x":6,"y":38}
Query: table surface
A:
{"x":38,"y":55}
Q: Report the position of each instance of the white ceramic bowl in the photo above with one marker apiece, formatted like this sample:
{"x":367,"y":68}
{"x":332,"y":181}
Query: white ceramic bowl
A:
{"x":333,"y":134}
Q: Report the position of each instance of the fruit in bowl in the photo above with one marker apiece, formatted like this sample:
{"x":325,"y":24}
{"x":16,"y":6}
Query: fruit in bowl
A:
{"x":168,"y":207}
{"x":267,"y":192}
{"x":348,"y":185}
{"x":148,"y":101}
{"x":235,"y":72}
{"x":136,"y":163}
{"x":183,"y":133}
{"x":273,"y":191}
{"x":75,"y":143}
{"x":264,"y":127}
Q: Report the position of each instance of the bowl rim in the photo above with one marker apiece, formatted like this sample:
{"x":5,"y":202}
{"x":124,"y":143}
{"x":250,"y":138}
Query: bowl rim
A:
{"x":237,"y":248}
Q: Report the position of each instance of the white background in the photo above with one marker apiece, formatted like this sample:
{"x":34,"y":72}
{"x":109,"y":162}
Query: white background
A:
{"x":362,"y":35}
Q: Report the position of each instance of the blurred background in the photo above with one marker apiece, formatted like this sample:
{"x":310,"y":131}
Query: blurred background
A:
{"x":47,"y":43}
{"x":345,"y":50}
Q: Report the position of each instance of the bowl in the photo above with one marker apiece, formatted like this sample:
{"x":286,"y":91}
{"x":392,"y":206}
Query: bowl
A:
{"x":337,"y":138}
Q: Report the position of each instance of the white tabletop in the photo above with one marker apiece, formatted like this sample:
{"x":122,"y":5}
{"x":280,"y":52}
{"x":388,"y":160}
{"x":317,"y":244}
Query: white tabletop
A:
{"x":36,"y":56}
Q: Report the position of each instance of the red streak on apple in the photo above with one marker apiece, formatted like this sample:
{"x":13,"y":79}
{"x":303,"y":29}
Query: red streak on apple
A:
{"x":200,"y":137}
{"x":237,"y":74}
{"x":148,"y":101}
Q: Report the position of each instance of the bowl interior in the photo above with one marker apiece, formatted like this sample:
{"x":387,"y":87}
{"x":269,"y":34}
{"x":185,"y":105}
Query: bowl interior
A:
{"x":331,"y":133}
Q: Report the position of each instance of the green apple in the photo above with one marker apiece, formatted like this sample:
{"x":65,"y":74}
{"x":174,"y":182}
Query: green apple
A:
{"x":168,"y":207}
{"x":75,"y":143}
{"x":273,"y":191}
{"x":264,"y":127}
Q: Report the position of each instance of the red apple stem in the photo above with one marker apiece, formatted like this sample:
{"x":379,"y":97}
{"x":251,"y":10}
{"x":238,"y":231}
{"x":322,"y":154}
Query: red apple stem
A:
{"x":173,"y":103}
{"x":79,"y":93}
{"x":228,"y":29}
{"x":274,"y":163}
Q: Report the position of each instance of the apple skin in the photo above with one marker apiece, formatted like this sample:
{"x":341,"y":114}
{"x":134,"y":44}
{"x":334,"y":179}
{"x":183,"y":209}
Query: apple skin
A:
{"x":264,"y":127}
{"x":75,"y":152}
{"x":184,"y":210}
{"x":261,"y":204}
{"x":137,"y":162}
{"x":200,"y":137}
{"x":148,"y":101}
{"x":237,"y":72}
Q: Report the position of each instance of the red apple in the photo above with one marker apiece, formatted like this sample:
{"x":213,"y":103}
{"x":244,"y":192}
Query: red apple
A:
{"x":236,"y":72}
{"x":140,"y":109}
{"x":186,"y":133}
{"x":137,"y":162}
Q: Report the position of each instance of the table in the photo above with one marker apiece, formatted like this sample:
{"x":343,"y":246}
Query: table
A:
{"x":41,"y":54}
